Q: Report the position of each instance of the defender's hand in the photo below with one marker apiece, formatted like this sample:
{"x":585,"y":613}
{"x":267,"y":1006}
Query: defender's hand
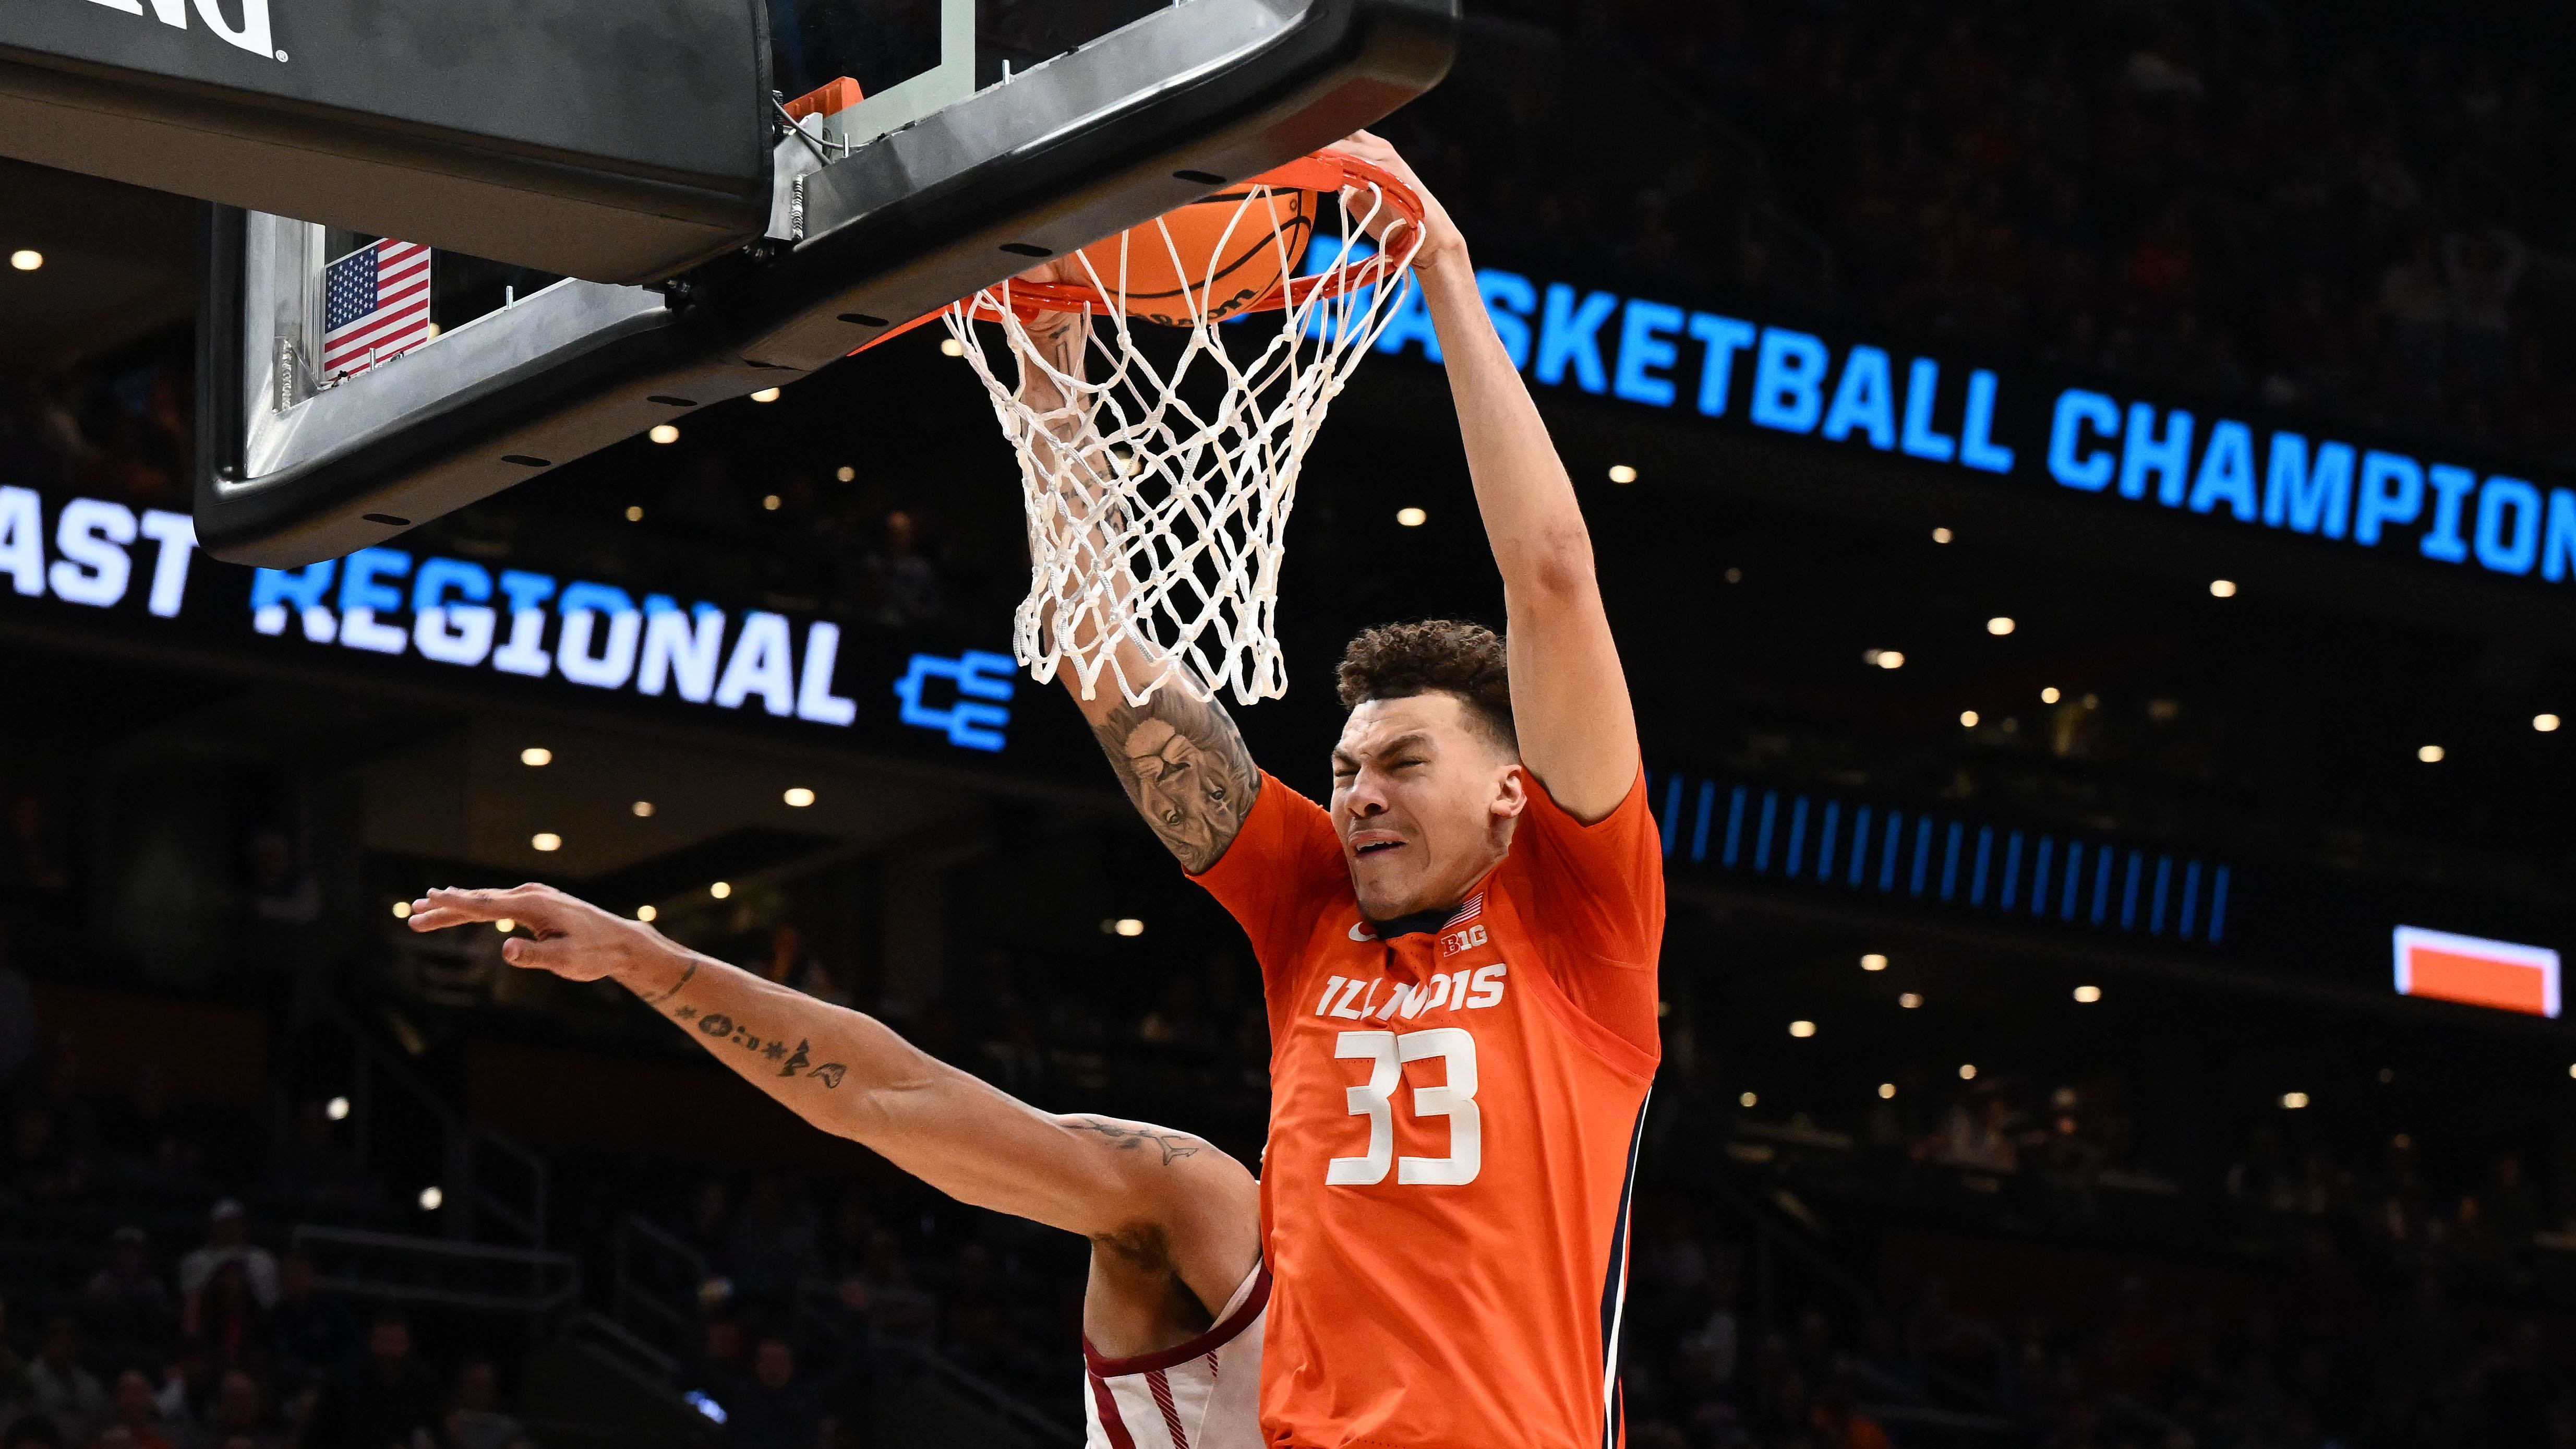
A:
{"x":1442,"y":245}
{"x":571,"y":938}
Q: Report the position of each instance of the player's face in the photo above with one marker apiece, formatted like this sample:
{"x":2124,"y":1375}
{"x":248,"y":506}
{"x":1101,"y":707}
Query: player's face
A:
{"x":1424,"y":803}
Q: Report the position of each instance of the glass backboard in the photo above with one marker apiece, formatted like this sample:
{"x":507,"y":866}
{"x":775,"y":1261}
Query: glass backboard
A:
{"x":356,"y":384}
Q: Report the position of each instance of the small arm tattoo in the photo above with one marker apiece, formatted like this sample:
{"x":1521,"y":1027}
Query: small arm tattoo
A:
{"x":1185,"y":766}
{"x":685,"y":977}
{"x":791,"y":1061}
{"x":1129,"y":1139}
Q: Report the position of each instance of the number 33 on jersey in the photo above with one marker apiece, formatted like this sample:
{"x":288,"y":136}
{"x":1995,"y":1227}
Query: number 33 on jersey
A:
{"x":1454,"y":1120}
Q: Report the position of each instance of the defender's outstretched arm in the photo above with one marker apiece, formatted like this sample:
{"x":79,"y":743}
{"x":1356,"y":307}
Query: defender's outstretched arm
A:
{"x":1180,"y":760}
{"x":852,"y":1076}
{"x":1578,"y":730}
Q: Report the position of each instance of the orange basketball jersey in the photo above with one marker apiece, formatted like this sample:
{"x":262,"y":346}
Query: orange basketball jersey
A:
{"x":1454,"y":1115}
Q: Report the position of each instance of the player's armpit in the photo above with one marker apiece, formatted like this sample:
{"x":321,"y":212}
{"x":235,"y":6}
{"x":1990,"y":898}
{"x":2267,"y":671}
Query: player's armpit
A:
{"x":1184,"y":765}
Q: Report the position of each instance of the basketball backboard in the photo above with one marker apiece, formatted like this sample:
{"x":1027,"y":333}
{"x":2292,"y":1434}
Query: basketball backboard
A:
{"x":939,"y":147}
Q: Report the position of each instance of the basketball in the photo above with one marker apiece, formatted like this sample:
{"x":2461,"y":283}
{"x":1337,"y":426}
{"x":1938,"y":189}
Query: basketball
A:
{"x":1215,"y":257}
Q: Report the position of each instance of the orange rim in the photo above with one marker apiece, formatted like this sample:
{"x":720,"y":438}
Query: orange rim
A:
{"x":1323,"y":172}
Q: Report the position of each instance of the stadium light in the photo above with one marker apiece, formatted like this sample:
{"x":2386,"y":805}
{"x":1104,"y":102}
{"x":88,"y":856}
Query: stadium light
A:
{"x":1942,"y":535}
{"x":402,"y":910}
{"x":643,"y":809}
{"x":2088,"y":994}
{"x":720,"y":889}
{"x":2430,"y":754}
{"x":799,"y":797}
{"x":847,"y":474}
{"x":766,"y":395}
{"x":546,"y":840}
{"x":26,"y":259}
{"x":634,"y":513}
{"x":337,"y":1109}
{"x":1622,"y":473}
{"x":1999,"y":626}
{"x":1873,"y":962}
{"x":1802,"y":1029}
{"x":2222,"y":588}
{"x":647,"y":914}
{"x":1411,"y":517}
{"x":770,"y":501}
{"x":664,"y":433}
{"x":1883,"y":658}
{"x":2050,"y":695}
{"x":2294,"y":1100}
{"x":2547,"y":724}
{"x":1128,"y":926}
{"x":1968,"y":718}
{"x":1749,"y":1099}
{"x":431,"y":1198}
{"x":535,"y":755}
{"x":1967,"y":1071}
{"x":1910,"y":1000}
{"x":1886,"y":1091}
{"x":505,"y":925}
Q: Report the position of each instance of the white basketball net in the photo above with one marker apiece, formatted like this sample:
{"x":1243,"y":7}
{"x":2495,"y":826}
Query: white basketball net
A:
{"x":1162,"y":521}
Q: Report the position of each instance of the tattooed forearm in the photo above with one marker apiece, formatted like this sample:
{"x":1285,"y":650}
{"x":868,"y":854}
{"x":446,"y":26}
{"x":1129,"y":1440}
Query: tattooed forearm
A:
{"x":1129,"y":1139}
{"x":1185,"y":767}
{"x":686,"y":976}
{"x":723,"y":1029}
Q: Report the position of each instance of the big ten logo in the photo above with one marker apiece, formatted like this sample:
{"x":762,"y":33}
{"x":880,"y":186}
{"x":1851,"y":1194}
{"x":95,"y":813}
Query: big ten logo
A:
{"x":971,"y":679}
{"x":1463,"y":940}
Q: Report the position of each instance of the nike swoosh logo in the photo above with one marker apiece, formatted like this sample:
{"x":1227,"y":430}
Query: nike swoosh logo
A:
{"x":1360,"y":931}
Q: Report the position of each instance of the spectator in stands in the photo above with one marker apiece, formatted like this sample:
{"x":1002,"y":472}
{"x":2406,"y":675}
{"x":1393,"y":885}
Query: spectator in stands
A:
{"x":124,"y":1304}
{"x":474,"y":1417}
{"x":138,"y":1413}
{"x":313,"y":1332}
{"x":238,"y":1416}
{"x":228,"y":1241}
{"x":384,"y":1398}
{"x":33,"y":863}
{"x":42,"y":1166}
{"x":62,"y":1388}
{"x":776,"y":1409}
{"x":224,"y":1322}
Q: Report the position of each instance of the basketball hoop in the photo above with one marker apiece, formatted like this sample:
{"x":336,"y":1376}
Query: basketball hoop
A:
{"x":1158,"y":518}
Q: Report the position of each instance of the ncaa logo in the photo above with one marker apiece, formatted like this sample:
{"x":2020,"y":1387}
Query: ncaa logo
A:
{"x":253,"y":34}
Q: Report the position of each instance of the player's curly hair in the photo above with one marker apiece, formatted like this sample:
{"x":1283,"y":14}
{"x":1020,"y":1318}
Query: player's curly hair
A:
{"x":1450,"y":656}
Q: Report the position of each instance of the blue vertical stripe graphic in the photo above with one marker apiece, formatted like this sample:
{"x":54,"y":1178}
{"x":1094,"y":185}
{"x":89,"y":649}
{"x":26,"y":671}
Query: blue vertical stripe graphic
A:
{"x":2170,"y":896}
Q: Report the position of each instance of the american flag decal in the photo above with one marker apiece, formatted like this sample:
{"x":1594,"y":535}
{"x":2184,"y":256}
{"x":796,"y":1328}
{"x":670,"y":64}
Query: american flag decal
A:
{"x":375,"y":304}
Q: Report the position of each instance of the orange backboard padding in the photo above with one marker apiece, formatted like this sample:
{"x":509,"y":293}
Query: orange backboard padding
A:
{"x":831,"y":100}
{"x":2477,"y":980}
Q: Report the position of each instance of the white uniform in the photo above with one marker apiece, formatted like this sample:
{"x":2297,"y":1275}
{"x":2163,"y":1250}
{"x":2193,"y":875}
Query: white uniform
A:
{"x":1204,"y":1394}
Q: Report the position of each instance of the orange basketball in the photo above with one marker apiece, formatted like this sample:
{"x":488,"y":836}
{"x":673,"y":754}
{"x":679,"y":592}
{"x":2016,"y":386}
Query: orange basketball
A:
{"x":1215,"y":257}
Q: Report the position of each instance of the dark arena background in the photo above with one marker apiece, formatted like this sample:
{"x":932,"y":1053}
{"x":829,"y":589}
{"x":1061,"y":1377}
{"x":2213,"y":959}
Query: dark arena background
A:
{"x":2087,"y":497}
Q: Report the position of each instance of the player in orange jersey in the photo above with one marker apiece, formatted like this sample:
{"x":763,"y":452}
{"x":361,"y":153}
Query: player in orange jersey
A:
{"x":1460,"y":962}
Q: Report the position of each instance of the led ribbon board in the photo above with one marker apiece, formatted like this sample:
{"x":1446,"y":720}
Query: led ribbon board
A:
{"x":2498,"y":974}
